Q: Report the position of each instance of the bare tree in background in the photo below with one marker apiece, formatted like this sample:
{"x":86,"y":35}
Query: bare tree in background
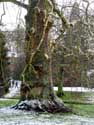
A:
{"x":3,"y":65}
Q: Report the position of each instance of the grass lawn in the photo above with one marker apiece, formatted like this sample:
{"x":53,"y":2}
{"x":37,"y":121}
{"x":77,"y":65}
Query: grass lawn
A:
{"x":77,"y":97}
{"x":82,"y":109}
{"x":8,"y":102}
{"x":79,"y":103}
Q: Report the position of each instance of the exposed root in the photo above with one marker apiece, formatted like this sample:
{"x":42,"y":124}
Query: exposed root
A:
{"x":51,"y":106}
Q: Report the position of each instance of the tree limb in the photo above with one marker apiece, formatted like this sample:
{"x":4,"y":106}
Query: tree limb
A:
{"x":65,"y":24}
{"x":16,"y":2}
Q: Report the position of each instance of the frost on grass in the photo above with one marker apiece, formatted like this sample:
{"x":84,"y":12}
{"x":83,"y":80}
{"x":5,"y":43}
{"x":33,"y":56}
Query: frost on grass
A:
{"x":10,"y":116}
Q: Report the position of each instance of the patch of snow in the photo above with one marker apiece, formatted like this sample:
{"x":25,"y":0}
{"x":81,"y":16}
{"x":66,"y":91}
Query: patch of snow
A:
{"x":14,"y":117}
{"x":13,"y":92}
{"x":14,"y":88}
{"x":75,"y":89}
{"x":90,"y":72}
{"x":12,"y":54}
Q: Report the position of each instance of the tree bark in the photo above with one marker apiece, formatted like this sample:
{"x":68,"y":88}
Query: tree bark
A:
{"x":38,"y":25}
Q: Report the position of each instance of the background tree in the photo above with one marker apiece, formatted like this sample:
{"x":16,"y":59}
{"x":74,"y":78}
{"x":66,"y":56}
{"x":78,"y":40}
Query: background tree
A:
{"x":15,"y":43}
{"x":3,"y":65}
{"x":74,"y":44}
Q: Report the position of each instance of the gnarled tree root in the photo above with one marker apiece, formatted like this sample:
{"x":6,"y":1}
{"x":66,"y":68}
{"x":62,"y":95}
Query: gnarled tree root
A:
{"x":41,"y":105}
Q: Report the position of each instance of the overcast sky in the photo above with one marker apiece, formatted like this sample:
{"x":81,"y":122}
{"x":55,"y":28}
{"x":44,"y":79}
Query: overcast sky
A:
{"x":15,"y":15}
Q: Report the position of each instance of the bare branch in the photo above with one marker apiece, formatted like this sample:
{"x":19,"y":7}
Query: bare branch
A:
{"x":86,"y":11}
{"x":16,"y":2}
{"x":65,"y":24}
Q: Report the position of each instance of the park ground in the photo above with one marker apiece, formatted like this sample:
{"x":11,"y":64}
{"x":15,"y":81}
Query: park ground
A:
{"x":81,"y":103}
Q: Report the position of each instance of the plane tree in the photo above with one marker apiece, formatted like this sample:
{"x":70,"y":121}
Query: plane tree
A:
{"x":37,"y":83}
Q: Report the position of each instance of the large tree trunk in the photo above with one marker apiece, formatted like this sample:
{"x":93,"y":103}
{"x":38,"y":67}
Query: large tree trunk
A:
{"x":37,"y":85}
